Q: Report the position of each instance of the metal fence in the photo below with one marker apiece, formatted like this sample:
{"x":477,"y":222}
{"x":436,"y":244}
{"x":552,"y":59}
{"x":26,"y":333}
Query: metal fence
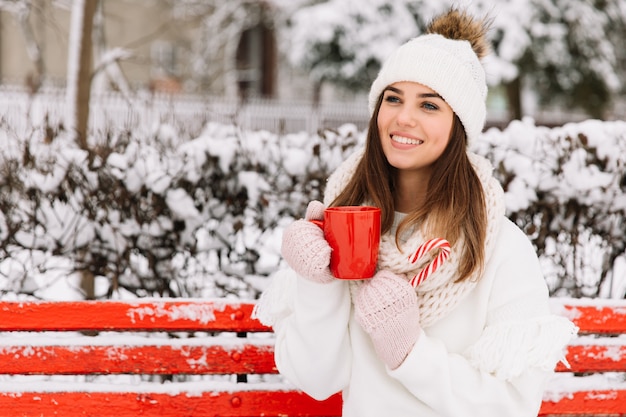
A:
{"x":113,"y":110}
{"x":20,"y":109}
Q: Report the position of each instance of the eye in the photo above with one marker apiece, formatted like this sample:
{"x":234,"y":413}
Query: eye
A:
{"x":391,"y":98}
{"x":430,"y":106}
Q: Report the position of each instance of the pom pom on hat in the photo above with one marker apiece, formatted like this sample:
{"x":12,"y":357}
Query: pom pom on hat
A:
{"x":447,"y":62}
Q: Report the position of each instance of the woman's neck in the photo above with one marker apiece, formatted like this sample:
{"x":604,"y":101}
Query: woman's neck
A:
{"x":410,"y":192}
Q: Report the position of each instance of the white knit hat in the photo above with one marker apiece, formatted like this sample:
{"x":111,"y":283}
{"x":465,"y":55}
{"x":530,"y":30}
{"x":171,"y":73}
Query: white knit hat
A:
{"x":449,"y":67}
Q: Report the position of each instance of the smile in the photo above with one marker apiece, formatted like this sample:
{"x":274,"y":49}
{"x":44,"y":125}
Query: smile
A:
{"x":406,"y":141}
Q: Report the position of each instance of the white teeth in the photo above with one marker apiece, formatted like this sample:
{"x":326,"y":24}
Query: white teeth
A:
{"x":407,"y":141}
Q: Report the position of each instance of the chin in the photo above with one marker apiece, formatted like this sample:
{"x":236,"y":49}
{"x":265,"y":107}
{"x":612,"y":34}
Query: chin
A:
{"x":401,"y":164}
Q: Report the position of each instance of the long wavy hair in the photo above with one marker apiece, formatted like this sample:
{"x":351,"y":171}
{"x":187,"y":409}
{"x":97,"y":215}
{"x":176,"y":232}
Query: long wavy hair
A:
{"x":454,"y":206}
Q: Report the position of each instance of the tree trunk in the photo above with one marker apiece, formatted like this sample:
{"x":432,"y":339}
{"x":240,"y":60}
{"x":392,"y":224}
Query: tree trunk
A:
{"x":514,"y":98}
{"x":80,"y":68}
{"x":79,"y":71}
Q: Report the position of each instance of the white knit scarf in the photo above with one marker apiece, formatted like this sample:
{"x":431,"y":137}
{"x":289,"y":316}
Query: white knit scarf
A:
{"x":439,"y":293}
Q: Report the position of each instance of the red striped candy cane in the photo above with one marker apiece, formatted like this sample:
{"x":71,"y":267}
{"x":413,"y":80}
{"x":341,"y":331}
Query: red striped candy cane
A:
{"x":444,"y":253}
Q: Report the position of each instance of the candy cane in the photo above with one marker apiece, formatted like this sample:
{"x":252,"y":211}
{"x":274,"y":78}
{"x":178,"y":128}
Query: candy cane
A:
{"x":427,"y":246}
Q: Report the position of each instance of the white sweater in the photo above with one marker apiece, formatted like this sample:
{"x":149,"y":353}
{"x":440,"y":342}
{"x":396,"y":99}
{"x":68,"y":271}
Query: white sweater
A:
{"x":489,"y":357}
{"x":486,"y":349}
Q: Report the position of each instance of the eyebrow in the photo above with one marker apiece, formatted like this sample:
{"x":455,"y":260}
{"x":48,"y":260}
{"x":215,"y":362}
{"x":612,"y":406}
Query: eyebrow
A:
{"x":423,"y":95}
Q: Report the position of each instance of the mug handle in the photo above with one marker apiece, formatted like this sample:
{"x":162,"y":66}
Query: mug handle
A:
{"x":319,"y":223}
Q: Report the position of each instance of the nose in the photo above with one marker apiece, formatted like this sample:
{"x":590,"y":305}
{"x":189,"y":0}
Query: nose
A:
{"x":406,"y":116}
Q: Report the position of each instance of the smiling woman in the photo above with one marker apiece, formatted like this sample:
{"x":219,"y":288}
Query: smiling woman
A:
{"x":473,"y":336}
{"x":414,"y":125}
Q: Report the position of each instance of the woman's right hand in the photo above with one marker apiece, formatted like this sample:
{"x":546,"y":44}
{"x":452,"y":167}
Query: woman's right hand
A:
{"x":304,"y":248}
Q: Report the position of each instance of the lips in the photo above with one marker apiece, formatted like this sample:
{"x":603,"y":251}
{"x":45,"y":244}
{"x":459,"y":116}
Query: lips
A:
{"x":406,"y":141}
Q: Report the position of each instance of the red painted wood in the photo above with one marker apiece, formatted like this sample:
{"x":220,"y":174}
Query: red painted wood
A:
{"x":216,"y":359}
{"x":594,"y":358}
{"x":208,"y":404}
{"x":603,"y":403}
{"x":173,"y":315}
{"x":246,"y":403}
{"x":601,"y":319}
{"x":237,"y":357}
{"x":162,"y":360}
{"x":166,"y":315}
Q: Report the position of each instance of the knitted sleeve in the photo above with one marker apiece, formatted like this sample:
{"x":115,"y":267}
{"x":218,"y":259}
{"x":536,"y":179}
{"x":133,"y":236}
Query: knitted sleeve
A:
{"x":310,"y":321}
{"x":520,"y":331}
{"x":518,"y":337}
{"x":277,"y":300}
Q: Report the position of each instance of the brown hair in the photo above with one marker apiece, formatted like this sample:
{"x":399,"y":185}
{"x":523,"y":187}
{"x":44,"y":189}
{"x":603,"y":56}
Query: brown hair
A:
{"x":454,"y":207}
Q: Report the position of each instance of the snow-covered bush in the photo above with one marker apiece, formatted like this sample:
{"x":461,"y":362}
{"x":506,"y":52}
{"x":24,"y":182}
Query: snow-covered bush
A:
{"x":566,"y":187}
{"x":158,"y":212}
{"x":154,"y":213}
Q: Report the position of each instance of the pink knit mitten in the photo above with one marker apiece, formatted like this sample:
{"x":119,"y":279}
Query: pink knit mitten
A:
{"x":304,"y":248}
{"x":387,"y":309}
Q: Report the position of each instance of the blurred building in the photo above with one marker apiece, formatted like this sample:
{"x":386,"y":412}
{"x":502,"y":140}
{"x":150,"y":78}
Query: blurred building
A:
{"x":213,"y":50}
{"x":219,"y":59}
{"x":160,"y":45}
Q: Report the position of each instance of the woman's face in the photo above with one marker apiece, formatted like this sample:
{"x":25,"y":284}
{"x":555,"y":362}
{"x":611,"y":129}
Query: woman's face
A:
{"x":414,"y":124}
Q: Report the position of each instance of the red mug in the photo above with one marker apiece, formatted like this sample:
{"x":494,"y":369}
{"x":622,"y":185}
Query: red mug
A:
{"x":353,"y":233}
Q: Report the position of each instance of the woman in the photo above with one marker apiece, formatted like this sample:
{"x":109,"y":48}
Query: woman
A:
{"x":476,"y":337}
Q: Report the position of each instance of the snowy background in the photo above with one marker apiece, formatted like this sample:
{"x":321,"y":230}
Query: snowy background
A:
{"x":157,"y":211}
{"x":564,"y":53}
{"x":165,"y":207}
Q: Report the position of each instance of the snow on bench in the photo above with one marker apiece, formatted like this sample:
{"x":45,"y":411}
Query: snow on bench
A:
{"x":189,"y":357}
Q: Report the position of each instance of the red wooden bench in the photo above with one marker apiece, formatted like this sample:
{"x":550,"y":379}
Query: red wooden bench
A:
{"x":198,"y":358}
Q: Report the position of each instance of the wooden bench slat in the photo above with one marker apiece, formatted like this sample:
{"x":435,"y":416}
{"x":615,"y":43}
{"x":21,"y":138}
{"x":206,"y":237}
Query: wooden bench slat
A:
{"x":216,"y":359}
{"x":214,"y":315}
{"x":193,"y":315}
{"x":157,"y":360}
{"x":124,"y":404}
{"x":594,"y":358}
{"x":598,"y":319}
{"x":246,"y":403}
{"x":593,"y":402}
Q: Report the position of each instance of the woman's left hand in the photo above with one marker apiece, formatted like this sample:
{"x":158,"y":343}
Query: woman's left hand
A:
{"x":386,"y":307}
